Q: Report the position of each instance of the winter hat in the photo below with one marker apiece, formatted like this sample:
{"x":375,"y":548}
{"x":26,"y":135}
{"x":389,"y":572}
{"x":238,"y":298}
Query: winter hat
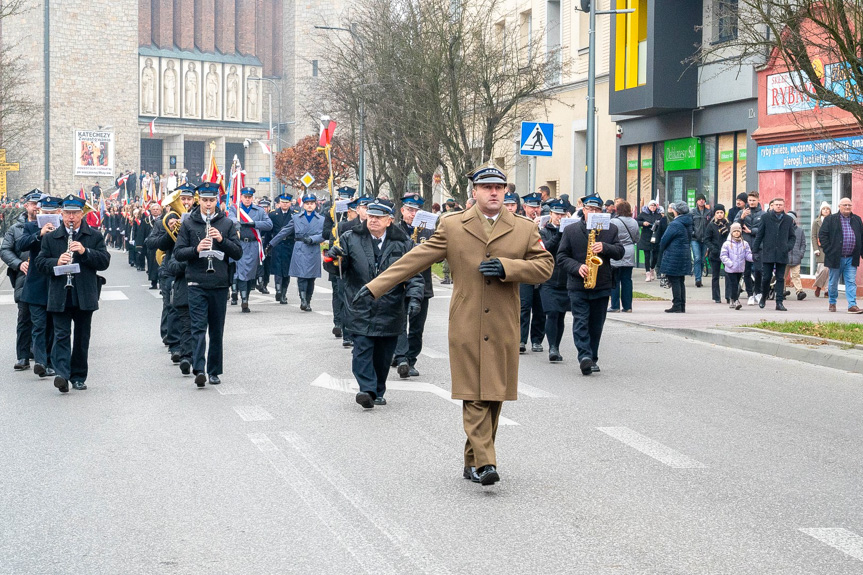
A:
{"x":792,"y":214}
{"x":700,"y":197}
{"x":736,"y":226}
{"x":742,"y":196}
{"x":652,"y":203}
{"x":825,"y":205}
{"x":718,"y":207}
{"x":681,"y":208}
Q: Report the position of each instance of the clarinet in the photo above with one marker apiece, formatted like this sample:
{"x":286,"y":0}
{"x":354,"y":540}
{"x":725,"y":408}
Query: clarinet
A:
{"x":210,"y":268}
{"x":69,"y":251}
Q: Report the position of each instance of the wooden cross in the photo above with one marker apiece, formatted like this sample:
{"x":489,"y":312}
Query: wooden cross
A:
{"x":5,"y":167}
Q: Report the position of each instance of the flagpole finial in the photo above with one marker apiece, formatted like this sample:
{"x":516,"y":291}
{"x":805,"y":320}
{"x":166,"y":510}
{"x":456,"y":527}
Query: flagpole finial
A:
{"x":212,"y":145}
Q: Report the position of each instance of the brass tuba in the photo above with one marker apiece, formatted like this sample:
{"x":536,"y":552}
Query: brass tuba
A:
{"x":172,"y":219}
{"x":593,"y":262}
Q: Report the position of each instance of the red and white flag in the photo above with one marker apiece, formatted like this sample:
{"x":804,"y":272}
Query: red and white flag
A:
{"x":327,"y":134}
{"x":265,"y":147}
{"x":152,"y":127}
{"x":238,"y":182}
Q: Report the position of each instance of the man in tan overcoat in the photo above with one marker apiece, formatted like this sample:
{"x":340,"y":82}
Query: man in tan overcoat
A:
{"x":491,"y":251}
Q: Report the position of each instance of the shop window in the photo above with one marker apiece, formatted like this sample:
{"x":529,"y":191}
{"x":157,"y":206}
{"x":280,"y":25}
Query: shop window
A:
{"x":810,"y":189}
{"x":659,"y":173}
{"x":708,"y":168}
{"x":630,"y":45}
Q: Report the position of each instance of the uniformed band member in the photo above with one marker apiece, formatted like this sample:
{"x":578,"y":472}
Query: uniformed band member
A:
{"x":307,"y":229}
{"x":264,"y":269}
{"x":154,"y":222}
{"x":17,"y":265}
{"x":491,"y":251}
{"x":252,"y":221}
{"x":532,"y":315}
{"x":510,"y":202}
{"x":72,"y":298}
{"x":208,"y":290}
{"x":588,"y":305}
{"x":280,"y":254}
{"x":169,"y":336}
{"x":411,"y":340}
{"x":375,"y":324}
{"x":357,"y":214}
{"x":555,"y":298}
{"x":35,"y":292}
{"x":345,"y":193}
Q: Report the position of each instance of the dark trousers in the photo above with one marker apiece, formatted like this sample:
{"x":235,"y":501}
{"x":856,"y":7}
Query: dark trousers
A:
{"x":306,"y":286}
{"x":588,"y":319}
{"x":245,"y":288}
{"x":24,"y":337}
{"x":372,"y":357}
{"x":282,"y":282}
{"x":181,"y":329}
{"x":411,"y":340}
{"x":480,"y":420}
{"x":43,"y":334}
{"x":169,"y":336}
{"x":338,"y":304}
{"x":651,"y":257}
{"x":678,"y":291}
{"x":554,"y":325}
{"x":752,"y":278}
{"x":621,"y":293}
{"x":716,"y":269}
{"x":733,"y":282}
{"x":531,"y":302}
{"x":132,"y":252}
{"x":69,"y":356}
{"x":263,"y":274}
{"x":140,"y":258}
{"x":767,"y":275}
{"x":207,"y":309}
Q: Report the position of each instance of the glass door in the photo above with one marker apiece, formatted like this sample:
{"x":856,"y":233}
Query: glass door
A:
{"x":810,"y":189}
{"x":683,"y":187}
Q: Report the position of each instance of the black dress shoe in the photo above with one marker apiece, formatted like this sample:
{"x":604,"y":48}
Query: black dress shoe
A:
{"x":413,"y":372}
{"x":185,"y":366}
{"x":39,"y":369}
{"x":380,"y":401}
{"x":586,"y":366}
{"x":488,"y":475}
{"x":674,"y":309}
{"x":697,"y":284}
{"x":201,"y":379}
{"x":780,"y":307}
{"x":554,"y":355}
{"x":470,"y":473}
{"x":61,"y":384}
{"x":522,"y":348}
{"x":21,"y":365}
{"x":337,"y":331}
{"x":176,"y":357}
{"x":536,"y":348}
{"x":594,"y":368}
{"x":245,"y":307}
{"x":233,"y":299}
{"x":347,"y":343}
{"x":79,"y":385}
{"x":762,"y":303}
{"x":365,"y":400}
{"x":214,"y":380}
{"x":394,"y":363}
{"x":264,"y":290}
{"x":404,"y":370}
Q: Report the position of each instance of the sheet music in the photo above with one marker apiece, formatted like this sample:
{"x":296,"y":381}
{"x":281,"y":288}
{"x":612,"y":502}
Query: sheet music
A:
{"x":67,"y":269}
{"x":219,"y":255}
{"x":567,"y":221}
{"x":53,"y":219}
{"x":428,"y":218}
{"x":543,"y":221}
{"x":598,"y":221}
{"x":342,"y":206}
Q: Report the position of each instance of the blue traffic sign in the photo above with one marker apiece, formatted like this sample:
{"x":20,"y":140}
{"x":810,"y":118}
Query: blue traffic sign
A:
{"x":263,"y":180}
{"x":537,"y":139}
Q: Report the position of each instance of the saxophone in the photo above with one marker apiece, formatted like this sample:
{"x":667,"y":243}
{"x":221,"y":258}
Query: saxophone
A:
{"x":593,"y":262}
{"x":415,"y":237}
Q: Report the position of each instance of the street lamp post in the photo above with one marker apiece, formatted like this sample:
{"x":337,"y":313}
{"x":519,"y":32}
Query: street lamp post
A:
{"x":362,"y":159}
{"x":590,"y":151}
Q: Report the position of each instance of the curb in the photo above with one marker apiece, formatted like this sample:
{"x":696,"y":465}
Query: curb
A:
{"x":822,"y":352}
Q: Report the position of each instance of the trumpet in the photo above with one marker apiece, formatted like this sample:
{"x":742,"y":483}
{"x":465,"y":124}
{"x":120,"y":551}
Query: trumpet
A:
{"x":70,"y":231}
{"x":210,"y":268}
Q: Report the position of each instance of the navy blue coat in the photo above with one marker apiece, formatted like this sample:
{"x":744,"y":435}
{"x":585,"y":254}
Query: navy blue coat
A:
{"x":675,"y":248}
{"x":280,"y":254}
{"x":35,"y":290}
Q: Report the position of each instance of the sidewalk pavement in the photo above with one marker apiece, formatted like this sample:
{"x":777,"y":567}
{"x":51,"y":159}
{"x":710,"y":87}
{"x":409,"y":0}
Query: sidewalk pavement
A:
{"x":717,"y":324}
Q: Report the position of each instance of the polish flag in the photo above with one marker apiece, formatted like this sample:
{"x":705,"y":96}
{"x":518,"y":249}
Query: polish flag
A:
{"x":152,"y":127}
{"x":265,"y":147}
{"x":327,"y":134}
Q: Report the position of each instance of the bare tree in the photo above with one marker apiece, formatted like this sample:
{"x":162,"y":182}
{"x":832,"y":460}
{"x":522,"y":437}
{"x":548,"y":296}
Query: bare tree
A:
{"x":18,"y":113}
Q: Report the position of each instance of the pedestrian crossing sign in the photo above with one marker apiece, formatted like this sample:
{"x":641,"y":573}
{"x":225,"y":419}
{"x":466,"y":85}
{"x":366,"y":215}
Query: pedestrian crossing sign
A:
{"x":537,"y":139}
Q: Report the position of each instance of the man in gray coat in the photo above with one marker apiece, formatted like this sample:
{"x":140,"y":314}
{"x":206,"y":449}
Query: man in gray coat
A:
{"x":253,"y":221}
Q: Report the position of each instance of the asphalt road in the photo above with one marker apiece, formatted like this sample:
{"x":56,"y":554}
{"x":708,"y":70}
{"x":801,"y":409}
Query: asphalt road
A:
{"x":679,"y":458}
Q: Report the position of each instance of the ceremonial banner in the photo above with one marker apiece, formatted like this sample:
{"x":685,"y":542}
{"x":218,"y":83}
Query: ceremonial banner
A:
{"x":94,"y":153}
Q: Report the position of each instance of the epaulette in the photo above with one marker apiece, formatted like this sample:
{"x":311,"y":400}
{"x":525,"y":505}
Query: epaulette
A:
{"x":524,"y":218}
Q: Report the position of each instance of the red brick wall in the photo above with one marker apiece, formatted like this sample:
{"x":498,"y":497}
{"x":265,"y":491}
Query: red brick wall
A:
{"x":205,"y":23}
{"x":246,"y":24}
{"x":277,"y":38}
{"x":226,"y":26}
{"x":145,"y":37}
{"x":163,"y":23}
{"x":184,"y":24}
{"x":264,"y":35}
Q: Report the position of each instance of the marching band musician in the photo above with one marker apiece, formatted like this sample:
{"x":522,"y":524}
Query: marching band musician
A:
{"x":490,"y":251}
{"x":154,"y":222}
{"x":531,"y":302}
{"x":252,"y":221}
{"x":205,"y":230}
{"x":357,"y":214}
{"x":280,"y":254}
{"x":410,"y":342}
{"x":345,"y":193}
{"x":307,"y":228}
{"x":555,"y":298}
{"x":588,"y":305}
{"x":72,"y":297}
{"x":169,"y":336}
{"x":35,"y":292}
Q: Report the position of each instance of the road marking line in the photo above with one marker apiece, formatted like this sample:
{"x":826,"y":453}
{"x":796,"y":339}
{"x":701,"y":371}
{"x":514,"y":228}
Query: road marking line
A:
{"x":155,"y":293}
{"x":651,"y":448}
{"x":433,"y":354}
{"x":225,"y":389}
{"x":327,"y":381}
{"x":113,"y":287}
{"x":532,"y":391}
{"x":112,"y":296}
{"x":841,"y":539}
{"x":252,"y":413}
{"x":329,"y":313}
{"x":409,"y":546}
{"x":366,"y":556}
{"x":7,"y":299}
{"x":322,"y":289}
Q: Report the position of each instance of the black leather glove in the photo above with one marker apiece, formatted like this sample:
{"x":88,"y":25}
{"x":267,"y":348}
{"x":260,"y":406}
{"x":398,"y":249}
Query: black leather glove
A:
{"x":336,"y":252}
{"x":414,"y":308}
{"x":362,"y":294}
{"x":492,"y":269}
{"x":309,"y":240}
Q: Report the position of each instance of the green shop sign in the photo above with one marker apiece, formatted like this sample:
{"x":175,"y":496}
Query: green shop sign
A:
{"x":741,"y":154}
{"x":632,"y":165}
{"x":646,"y":163}
{"x":726,"y":156}
{"x":683,"y":154}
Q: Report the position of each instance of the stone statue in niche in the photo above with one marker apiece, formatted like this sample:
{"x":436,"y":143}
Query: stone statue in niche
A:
{"x":148,"y":87}
{"x":233,"y":93}
{"x":169,"y":84}
{"x":253,"y":91}
{"x":191,"y":90}
{"x":212,"y":92}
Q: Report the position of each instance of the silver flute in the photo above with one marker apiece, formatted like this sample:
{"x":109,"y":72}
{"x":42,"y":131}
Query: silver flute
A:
{"x":69,"y":251}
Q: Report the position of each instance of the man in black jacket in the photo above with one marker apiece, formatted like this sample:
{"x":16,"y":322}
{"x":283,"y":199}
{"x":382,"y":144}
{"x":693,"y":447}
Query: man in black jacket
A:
{"x":411,"y":340}
{"x":588,"y":305}
{"x":774,"y":240}
{"x":208,"y":290}
{"x":841,"y":237}
{"x":555,"y":298}
{"x":73,"y":296}
{"x":375,"y":325}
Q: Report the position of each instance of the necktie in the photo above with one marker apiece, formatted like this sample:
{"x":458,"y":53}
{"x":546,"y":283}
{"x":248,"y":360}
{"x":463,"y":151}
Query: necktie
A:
{"x":491,"y":221}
